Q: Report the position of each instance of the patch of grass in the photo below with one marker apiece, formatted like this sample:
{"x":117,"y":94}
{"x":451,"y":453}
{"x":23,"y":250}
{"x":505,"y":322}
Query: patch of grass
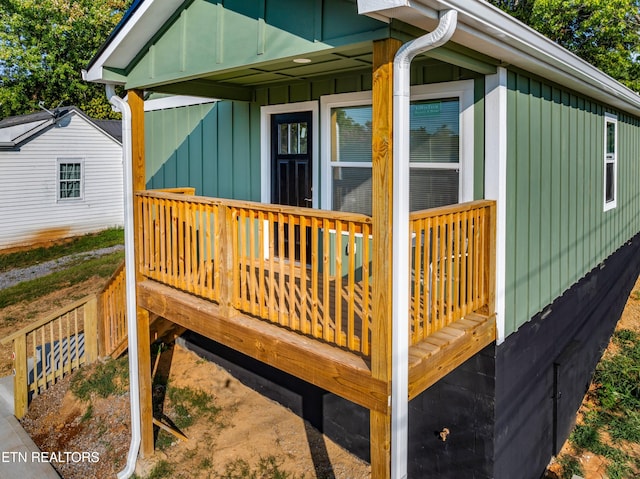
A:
{"x":187,"y":404}
{"x":205,"y":464}
{"x":88,"y":413}
{"x":161,"y":469}
{"x":267,"y":468}
{"x":103,"y":266}
{"x":570,"y":466}
{"x":636,"y":295}
{"x":80,"y":244}
{"x":164,"y":440}
{"x":616,"y":415}
{"x":109,"y":378}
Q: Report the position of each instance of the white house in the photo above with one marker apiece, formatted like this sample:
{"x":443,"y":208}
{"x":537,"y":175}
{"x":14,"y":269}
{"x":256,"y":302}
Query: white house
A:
{"x":60,"y":176}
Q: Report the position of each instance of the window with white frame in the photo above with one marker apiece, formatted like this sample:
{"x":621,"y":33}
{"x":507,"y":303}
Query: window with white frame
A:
{"x":69,"y":179}
{"x":610,"y":161}
{"x":436,"y":156}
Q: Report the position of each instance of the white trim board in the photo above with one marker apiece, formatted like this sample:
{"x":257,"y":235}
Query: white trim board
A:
{"x":495,"y":178}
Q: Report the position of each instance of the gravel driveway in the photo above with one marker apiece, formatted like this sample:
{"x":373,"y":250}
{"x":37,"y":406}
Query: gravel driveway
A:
{"x":18,"y":275}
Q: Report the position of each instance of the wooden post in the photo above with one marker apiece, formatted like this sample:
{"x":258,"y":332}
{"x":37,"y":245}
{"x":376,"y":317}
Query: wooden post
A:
{"x":91,"y":330}
{"x":136,"y":103}
{"x":224,"y":242}
{"x":146,"y":387}
{"x":20,"y":387}
{"x":382,"y":213}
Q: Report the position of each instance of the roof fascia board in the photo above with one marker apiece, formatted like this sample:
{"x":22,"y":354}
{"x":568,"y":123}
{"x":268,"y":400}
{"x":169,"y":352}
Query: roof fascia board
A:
{"x":493,"y":32}
{"x":148,"y":18}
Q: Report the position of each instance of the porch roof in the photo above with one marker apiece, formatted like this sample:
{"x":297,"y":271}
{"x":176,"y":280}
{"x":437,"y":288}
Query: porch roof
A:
{"x":197,"y":47}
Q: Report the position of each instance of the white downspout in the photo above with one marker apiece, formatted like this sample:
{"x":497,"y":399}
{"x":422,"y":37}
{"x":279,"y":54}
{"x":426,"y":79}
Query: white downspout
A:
{"x":134,"y":388}
{"x":401,"y":269}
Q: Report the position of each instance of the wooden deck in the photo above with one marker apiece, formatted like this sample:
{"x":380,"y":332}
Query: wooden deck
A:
{"x":292,"y":287}
{"x":335,"y":369}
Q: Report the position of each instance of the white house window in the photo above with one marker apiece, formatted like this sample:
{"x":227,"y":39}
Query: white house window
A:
{"x":69,"y":179}
{"x":438,"y":114}
{"x":610,"y":161}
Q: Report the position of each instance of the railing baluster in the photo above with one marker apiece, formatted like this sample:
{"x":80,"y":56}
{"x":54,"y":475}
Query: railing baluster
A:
{"x":326,"y":333}
{"x":315,"y":325}
{"x":365,"y":319}
{"x":304,"y":323}
{"x":337,"y":282}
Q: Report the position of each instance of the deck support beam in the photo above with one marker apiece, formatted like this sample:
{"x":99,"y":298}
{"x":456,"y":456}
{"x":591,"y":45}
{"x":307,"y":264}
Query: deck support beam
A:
{"x":382,"y":213}
{"x":136,"y":103}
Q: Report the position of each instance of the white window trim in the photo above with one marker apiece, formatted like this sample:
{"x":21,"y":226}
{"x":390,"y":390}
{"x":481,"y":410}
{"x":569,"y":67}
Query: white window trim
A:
{"x":609,"y":205}
{"x":463,"y":90}
{"x":265,"y":145}
{"x":82,"y":176}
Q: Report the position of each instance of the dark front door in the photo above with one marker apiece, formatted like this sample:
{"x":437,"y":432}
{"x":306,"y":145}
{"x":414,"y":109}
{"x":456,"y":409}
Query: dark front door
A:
{"x":291,"y":177}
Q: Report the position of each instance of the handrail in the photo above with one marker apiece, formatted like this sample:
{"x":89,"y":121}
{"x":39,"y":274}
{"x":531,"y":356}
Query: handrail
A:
{"x":285,"y":209}
{"x":449,"y":209}
{"x":180,"y":190}
{"x":47,"y":319}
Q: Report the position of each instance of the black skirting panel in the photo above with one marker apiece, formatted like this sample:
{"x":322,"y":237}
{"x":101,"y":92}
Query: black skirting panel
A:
{"x":544,"y":369}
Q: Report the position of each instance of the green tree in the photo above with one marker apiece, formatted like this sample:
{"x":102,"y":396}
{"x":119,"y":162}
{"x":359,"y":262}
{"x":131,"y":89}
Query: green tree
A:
{"x":605,"y":33}
{"x":44,"y":45}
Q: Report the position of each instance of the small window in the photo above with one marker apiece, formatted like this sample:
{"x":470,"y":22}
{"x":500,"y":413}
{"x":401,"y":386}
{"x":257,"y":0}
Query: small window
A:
{"x":69,"y":179}
{"x":610,"y":162}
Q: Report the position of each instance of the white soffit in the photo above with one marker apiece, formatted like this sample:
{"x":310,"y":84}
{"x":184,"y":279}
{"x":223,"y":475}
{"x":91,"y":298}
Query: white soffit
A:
{"x":488,"y":30}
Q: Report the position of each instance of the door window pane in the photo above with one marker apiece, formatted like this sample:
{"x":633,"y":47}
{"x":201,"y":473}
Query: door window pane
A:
{"x":292,"y":139}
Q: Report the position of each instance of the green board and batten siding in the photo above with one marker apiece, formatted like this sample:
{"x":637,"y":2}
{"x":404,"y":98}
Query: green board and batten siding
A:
{"x":557,"y":230}
{"x":216,"y":147}
{"x":213,"y":147}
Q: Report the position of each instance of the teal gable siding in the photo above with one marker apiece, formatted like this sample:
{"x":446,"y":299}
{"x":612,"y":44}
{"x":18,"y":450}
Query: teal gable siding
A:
{"x":557,"y":230}
{"x":213,"y":148}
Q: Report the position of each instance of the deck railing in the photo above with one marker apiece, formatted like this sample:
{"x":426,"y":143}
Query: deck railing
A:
{"x":309,"y":270}
{"x":304,"y":269}
{"x":49,"y":349}
{"x":452,"y":256}
{"x":112,"y":327}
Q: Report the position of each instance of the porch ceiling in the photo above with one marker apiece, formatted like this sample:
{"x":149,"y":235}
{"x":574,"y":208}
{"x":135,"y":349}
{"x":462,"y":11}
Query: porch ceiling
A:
{"x":238,"y":83}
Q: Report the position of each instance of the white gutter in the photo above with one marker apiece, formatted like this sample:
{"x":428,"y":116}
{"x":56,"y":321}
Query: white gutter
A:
{"x":401,"y":272}
{"x":134,"y":388}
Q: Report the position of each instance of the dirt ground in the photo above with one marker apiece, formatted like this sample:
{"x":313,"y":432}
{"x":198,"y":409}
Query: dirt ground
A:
{"x":250,"y":426}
